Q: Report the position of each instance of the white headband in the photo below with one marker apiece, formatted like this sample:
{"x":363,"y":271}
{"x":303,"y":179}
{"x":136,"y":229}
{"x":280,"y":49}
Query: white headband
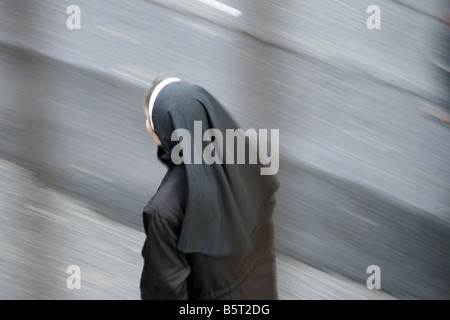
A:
{"x":155,"y":93}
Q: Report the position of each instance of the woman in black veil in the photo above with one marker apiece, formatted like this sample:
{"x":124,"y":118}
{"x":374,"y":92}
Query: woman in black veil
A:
{"x":209,"y":226}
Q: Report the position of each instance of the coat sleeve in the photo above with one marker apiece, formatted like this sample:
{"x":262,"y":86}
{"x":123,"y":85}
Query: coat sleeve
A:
{"x":166,"y":269}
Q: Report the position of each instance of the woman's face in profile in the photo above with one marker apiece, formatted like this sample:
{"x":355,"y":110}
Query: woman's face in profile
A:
{"x":150,"y":129}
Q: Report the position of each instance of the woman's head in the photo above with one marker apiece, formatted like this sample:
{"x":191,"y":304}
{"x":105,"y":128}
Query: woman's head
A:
{"x":148,"y":124}
{"x":223,"y":197}
{"x":171,"y":104}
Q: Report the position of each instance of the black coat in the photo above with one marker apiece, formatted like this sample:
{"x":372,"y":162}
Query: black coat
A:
{"x":169,"y":273}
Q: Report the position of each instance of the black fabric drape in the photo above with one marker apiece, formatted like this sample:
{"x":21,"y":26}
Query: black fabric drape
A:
{"x":222,"y":199}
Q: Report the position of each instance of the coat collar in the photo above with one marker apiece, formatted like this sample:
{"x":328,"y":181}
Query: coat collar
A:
{"x":165,"y":157}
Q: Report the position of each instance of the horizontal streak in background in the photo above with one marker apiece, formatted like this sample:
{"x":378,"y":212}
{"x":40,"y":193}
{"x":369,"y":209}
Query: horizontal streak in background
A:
{"x":92,"y":174}
{"x":222,"y":7}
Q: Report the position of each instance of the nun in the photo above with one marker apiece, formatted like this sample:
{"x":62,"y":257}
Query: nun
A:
{"x":209,"y":229}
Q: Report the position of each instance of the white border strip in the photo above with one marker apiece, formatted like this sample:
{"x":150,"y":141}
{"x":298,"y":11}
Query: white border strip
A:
{"x":154,"y":95}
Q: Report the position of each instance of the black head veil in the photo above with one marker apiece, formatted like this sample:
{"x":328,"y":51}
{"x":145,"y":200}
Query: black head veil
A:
{"x":223,"y":200}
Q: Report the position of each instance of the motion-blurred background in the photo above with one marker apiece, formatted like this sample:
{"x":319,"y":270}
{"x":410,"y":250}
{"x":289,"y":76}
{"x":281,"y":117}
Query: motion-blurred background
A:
{"x":364,"y":121}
